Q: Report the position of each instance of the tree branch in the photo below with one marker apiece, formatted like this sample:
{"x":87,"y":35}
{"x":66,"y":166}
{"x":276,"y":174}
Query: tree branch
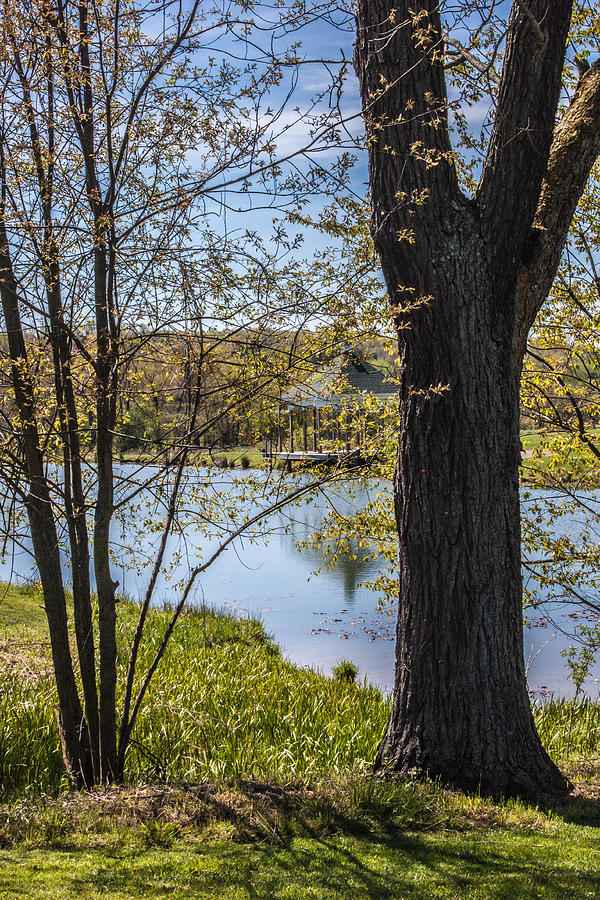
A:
{"x":483,"y":67}
{"x":575,"y":148}
{"x":537,"y":29}
{"x":294,"y":495}
{"x":519,"y":147}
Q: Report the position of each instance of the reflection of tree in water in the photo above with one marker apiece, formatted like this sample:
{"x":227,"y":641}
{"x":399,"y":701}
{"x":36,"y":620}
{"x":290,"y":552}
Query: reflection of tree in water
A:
{"x":351,"y":567}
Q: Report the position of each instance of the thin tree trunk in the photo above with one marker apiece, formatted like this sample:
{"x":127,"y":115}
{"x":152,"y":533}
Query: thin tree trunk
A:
{"x":106,"y":587}
{"x":72,"y":726}
{"x":75,"y":506}
{"x":106,"y":406}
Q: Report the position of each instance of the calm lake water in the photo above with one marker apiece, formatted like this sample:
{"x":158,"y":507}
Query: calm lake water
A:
{"x":317,"y":619}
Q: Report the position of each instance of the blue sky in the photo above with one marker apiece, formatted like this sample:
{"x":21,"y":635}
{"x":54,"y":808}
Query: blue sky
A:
{"x":326,"y":39}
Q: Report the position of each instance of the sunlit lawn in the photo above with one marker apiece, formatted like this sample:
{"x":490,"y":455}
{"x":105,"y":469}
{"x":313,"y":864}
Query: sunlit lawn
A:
{"x":476,"y":863}
{"x":267,"y":790}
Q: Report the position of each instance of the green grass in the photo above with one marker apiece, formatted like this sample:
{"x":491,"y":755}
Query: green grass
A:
{"x":223,"y":704}
{"x":557,"y":459}
{"x":241,"y":457}
{"x":226,"y":705}
{"x":253,"y":457}
{"x":531,"y":439}
{"x":249,"y":778}
{"x":353,"y":838}
{"x":22,"y":608}
{"x":505,"y":864}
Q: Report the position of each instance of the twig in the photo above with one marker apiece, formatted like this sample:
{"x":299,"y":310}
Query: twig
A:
{"x":484,"y":68}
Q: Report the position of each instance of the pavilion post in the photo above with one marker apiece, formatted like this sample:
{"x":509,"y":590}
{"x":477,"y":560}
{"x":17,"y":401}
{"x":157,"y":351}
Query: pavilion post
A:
{"x":279,"y":433}
{"x":363,"y":427}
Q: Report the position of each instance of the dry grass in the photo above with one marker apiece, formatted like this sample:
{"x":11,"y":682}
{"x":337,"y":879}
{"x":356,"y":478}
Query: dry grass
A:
{"x":269,"y":811}
{"x":26,"y":657}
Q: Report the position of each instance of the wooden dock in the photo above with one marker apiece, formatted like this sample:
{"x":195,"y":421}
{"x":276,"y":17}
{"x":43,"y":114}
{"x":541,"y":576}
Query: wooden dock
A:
{"x":325,"y":457}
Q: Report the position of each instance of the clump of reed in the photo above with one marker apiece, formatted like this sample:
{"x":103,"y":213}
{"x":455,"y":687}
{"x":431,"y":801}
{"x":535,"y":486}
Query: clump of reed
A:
{"x":569,"y":728}
{"x":345,"y":670}
{"x":223,"y":704}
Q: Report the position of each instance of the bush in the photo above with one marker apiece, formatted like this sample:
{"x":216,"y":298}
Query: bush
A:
{"x":345,"y":670}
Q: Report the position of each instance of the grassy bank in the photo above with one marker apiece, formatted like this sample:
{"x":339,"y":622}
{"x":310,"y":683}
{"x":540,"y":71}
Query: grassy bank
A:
{"x":249,"y":778}
{"x":554,"y":458}
{"x":235,"y":458}
{"x":223,"y":704}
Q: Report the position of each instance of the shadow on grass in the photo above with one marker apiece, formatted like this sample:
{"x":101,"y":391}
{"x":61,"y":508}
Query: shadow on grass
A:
{"x":362,"y":838}
{"x":402,"y":866}
{"x":582,"y":808}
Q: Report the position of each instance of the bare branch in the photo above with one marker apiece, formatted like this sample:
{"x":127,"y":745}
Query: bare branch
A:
{"x":484,"y":67}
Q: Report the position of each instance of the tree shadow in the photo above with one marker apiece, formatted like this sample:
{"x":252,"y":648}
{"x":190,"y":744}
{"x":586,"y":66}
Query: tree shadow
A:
{"x":406,"y":865}
{"x":582,"y":807}
{"x":290,"y":841}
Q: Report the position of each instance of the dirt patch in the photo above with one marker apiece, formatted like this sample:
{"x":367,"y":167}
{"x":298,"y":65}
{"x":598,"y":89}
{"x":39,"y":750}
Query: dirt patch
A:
{"x":29,"y":659}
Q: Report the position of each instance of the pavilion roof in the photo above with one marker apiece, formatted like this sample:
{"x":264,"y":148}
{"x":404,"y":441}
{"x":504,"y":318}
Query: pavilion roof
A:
{"x":347,"y":376}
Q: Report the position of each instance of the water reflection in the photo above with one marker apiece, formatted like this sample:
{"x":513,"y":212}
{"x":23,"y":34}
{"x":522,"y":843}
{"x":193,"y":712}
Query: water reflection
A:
{"x":318,"y":619}
{"x":351,"y":569}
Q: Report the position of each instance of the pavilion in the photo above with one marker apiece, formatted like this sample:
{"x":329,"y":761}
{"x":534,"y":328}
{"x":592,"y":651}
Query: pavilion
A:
{"x":343,"y":385}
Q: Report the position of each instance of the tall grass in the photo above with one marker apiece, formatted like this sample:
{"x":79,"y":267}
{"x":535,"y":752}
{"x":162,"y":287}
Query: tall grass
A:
{"x":223,"y":704}
{"x":30,"y":759}
{"x":226,"y":705}
{"x":569,"y":728}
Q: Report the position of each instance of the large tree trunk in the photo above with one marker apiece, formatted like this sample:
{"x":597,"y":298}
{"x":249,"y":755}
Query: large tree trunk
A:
{"x":461,"y":708}
{"x":455,"y":268}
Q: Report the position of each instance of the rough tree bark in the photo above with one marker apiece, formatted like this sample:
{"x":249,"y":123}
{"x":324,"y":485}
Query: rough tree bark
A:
{"x":466,"y":277}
